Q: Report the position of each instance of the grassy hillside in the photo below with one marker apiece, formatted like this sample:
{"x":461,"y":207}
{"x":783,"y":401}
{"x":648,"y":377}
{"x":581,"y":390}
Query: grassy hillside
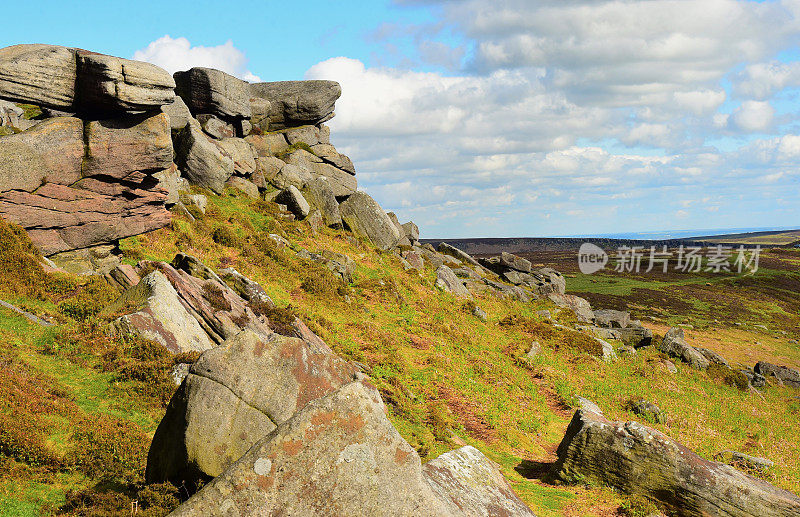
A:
{"x":79,"y":407}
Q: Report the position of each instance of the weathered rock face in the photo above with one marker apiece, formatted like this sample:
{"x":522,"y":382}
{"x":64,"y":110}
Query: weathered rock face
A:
{"x":365,"y":218}
{"x":72,"y":184}
{"x":612,"y":319}
{"x":205,"y":90}
{"x":357,"y":462}
{"x":159,"y":315}
{"x":74,"y":80}
{"x":201,"y":160}
{"x":235,"y":395}
{"x":674,"y":345}
{"x":320,"y":194}
{"x":638,"y":460}
{"x":298,"y":103}
{"x":471,"y":485}
{"x":106,"y":84}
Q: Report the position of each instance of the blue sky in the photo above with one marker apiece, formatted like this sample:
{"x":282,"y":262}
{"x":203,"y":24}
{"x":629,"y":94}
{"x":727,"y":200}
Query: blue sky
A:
{"x":511,"y":117}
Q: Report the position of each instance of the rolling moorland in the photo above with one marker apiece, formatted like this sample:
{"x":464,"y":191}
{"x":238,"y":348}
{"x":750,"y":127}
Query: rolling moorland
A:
{"x":221,"y":266}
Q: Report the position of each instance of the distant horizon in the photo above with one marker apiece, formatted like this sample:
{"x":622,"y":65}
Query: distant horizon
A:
{"x":642,"y":235}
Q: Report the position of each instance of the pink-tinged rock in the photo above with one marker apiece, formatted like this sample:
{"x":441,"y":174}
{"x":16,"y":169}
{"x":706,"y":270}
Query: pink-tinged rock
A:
{"x":59,"y":218}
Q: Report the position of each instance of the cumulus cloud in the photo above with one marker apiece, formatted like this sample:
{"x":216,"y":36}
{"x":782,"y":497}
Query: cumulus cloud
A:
{"x":762,"y":80}
{"x":176,"y":54}
{"x":753,"y":116}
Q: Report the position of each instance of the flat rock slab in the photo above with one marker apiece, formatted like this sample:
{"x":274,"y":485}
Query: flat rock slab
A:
{"x":298,"y":103}
{"x":638,"y":460}
{"x":205,"y":90}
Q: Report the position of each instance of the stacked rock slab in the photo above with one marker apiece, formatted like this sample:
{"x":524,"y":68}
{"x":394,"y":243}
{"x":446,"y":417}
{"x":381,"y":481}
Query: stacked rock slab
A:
{"x":75,"y":182}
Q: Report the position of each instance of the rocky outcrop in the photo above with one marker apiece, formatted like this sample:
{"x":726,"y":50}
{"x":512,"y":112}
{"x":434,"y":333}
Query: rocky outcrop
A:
{"x":297,"y":103}
{"x":471,"y":485}
{"x":674,"y":345}
{"x":612,"y":319}
{"x":235,"y":395}
{"x":201,"y":160}
{"x":320,"y":194}
{"x":635,"y":459}
{"x":365,"y":218}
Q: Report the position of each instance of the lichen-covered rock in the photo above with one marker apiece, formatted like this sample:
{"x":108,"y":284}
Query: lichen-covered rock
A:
{"x":235,"y":395}
{"x":635,"y":459}
{"x":206,"y":90}
{"x":156,"y":312}
{"x":298,"y":103}
{"x":472,"y":486}
{"x":39,"y":74}
{"x":320,"y":194}
{"x":365,"y":218}
{"x":242,"y":154}
{"x":340,"y":455}
{"x":294,"y":201}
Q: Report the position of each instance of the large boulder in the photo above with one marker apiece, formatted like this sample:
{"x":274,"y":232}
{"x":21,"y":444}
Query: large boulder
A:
{"x":365,"y":218}
{"x":294,"y":201}
{"x":342,"y":182}
{"x":447,"y":281}
{"x":338,"y":456}
{"x":201,"y":160}
{"x":178,"y":113}
{"x":674,"y":345}
{"x":447,"y":249}
{"x":235,"y":395}
{"x":471,"y":485}
{"x":206,"y":90}
{"x":106,"y":84}
{"x":155,"y":312}
{"x":638,"y":460}
{"x":298,"y":103}
{"x":580,"y":306}
{"x":39,"y":74}
{"x":72,"y":80}
{"x":610,"y":318}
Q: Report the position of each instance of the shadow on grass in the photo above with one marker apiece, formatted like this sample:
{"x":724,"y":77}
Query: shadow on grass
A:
{"x":534,"y":469}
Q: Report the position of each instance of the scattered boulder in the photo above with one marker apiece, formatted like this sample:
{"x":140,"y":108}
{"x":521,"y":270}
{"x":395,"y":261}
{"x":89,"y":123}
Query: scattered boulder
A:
{"x":471,"y":485}
{"x":508,"y":260}
{"x":365,"y":218}
{"x":711,"y":356}
{"x":235,"y":395}
{"x":785,"y":375}
{"x":246,"y":187}
{"x":156,"y":313}
{"x":412,"y":231}
{"x":446,"y":249}
{"x":674,"y":345}
{"x":205,"y":90}
{"x":480,"y":313}
{"x":533,"y":351}
{"x":744,"y":461}
{"x":756,"y":380}
{"x":414,"y":258}
{"x":298,"y":103}
{"x":447,"y":281}
{"x":647,"y":410}
{"x":612,"y":319}
{"x":587,"y":405}
{"x":638,"y":460}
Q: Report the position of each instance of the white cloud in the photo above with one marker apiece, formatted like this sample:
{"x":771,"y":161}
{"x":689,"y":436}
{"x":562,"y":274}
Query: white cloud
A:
{"x":753,"y":116}
{"x":762,"y":80}
{"x":178,"y":54}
